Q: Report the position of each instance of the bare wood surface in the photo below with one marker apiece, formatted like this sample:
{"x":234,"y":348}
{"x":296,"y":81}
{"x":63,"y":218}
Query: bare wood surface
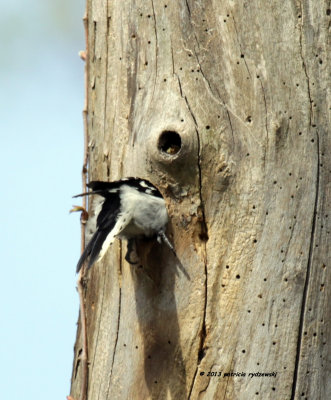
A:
{"x":245,"y":85}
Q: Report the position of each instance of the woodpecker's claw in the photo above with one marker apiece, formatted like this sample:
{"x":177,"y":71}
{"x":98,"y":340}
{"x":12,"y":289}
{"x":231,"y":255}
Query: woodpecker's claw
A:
{"x":83,"y":215}
{"x":130,"y":249}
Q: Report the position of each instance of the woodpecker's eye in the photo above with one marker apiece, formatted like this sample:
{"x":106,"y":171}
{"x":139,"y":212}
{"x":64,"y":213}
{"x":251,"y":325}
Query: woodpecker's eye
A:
{"x":169,"y":142}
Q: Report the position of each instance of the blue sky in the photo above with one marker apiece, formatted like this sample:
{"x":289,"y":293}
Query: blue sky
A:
{"x":41,"y":132}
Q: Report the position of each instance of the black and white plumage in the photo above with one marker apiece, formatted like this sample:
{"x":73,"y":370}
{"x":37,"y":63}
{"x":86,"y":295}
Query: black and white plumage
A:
{"x":131,"y":208}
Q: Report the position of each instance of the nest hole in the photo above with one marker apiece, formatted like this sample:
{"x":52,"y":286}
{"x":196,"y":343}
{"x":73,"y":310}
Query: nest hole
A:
{"x":170,"y":142}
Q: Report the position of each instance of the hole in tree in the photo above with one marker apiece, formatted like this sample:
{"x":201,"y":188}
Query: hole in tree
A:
{"x":169,"y":142}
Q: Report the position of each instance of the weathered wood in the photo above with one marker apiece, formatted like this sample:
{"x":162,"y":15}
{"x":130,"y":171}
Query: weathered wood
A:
{"x":245,"y":86}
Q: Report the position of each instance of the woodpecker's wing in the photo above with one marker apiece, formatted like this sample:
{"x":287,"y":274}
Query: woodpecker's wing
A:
{"x":92,"y":245}
{"x":120,"y":224}
{"x":109,"y":224}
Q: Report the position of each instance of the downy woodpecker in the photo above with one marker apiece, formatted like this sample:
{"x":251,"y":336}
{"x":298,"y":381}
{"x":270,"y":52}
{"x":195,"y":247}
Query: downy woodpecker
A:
{"x":132,"y":208}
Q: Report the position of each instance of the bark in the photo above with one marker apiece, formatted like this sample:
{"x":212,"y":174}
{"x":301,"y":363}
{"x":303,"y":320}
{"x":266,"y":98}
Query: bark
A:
{"x":245,"y":86}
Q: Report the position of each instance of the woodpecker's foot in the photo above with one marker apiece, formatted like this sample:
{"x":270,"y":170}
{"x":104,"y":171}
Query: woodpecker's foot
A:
{"x":131,"y":249}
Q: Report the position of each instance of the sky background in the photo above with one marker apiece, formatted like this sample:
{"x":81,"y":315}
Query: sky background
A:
{"x":41,"y":132}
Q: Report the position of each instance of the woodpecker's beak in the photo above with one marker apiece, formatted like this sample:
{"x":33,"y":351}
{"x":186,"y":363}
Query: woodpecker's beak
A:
{"x":87,"y":193}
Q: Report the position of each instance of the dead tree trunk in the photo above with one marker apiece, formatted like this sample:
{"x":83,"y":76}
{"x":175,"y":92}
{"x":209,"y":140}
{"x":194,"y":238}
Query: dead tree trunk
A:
{"x":224,"y":106}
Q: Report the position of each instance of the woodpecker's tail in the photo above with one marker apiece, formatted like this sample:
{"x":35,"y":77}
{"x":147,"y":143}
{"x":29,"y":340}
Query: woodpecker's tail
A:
{"x":163,"y":236}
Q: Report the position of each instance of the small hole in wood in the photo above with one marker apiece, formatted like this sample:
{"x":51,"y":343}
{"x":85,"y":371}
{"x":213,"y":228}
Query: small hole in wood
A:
{"x":170,"y":142}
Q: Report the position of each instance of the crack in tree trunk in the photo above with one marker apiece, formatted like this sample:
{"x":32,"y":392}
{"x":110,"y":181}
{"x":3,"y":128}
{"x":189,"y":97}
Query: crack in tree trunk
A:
{"x":303,"y":311}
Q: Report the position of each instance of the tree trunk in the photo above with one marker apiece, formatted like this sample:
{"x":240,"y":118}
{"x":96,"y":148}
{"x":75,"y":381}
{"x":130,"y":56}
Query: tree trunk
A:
{"x":223,"y":105}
